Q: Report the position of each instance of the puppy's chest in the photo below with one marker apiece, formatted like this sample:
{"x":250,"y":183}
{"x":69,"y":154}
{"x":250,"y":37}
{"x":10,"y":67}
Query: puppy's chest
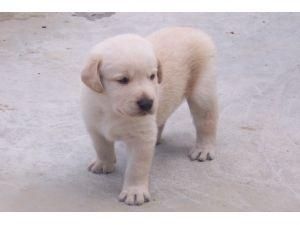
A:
{"x":111,"y":130}
{"x":115,"y":129}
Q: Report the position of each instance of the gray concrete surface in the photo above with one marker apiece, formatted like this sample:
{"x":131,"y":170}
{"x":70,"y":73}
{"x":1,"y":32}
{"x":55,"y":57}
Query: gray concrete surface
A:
{"x":45,"y":150}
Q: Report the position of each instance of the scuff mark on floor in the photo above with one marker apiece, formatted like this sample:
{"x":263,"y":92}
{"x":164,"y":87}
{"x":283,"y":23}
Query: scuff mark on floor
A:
{"x":93,"y":16}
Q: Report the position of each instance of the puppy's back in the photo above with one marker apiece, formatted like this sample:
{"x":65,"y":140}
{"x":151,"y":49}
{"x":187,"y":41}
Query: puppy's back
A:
{"x":183,"y":44}
{"x":184,"y":53}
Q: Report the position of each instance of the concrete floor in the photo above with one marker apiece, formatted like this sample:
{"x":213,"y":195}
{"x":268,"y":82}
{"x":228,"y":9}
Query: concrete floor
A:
{"x":45,"y":150}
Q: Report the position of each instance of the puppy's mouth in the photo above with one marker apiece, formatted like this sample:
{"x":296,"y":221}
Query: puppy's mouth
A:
{"x":141,"y":113}
{"x":136,"y":114}
{"x":145,"y":113}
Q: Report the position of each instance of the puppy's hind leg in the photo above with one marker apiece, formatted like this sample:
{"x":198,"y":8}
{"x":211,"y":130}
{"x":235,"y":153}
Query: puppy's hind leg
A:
{"x":202,"y":101}
{"x":106,"y":159}
{"x":159,"y":133}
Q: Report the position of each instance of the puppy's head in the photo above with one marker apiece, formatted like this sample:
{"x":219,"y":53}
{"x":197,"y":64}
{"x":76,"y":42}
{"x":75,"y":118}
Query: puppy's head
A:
{"x":126,"y":70}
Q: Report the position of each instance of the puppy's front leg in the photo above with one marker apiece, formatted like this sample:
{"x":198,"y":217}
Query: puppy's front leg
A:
{"x":106,"y":159}
{"x":136,"y":183}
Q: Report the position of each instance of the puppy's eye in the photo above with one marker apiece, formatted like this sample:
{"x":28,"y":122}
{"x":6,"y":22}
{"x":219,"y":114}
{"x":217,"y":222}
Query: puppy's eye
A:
{"x":124,"y":80}
{"x":152,"y":76}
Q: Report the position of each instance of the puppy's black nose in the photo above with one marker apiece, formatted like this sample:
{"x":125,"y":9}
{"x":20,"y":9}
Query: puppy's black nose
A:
{"x":145,"y":104}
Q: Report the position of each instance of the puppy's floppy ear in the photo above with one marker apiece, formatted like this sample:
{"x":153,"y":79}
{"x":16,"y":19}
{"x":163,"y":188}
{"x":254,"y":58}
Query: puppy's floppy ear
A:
{"x":90,"y":75}
{"x":159,"y":72}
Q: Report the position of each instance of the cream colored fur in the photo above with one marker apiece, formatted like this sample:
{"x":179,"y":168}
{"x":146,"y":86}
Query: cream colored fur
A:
{"x":182,"y":60}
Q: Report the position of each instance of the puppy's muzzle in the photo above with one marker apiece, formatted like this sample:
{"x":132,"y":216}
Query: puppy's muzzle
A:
{"x":145,"y":104}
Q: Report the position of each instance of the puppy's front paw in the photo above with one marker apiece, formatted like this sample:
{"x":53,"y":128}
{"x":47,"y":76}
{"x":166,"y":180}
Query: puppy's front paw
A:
{"x":134,"y":195}
{"x":101,"y":167}
{"x":202,"y":153}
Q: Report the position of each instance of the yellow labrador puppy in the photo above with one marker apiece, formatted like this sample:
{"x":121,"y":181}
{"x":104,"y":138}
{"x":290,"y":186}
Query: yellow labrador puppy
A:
{"x":133,"y":84}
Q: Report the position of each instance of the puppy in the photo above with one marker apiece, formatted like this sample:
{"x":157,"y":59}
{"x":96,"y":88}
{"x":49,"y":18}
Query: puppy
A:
{"x":133,"y":84}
